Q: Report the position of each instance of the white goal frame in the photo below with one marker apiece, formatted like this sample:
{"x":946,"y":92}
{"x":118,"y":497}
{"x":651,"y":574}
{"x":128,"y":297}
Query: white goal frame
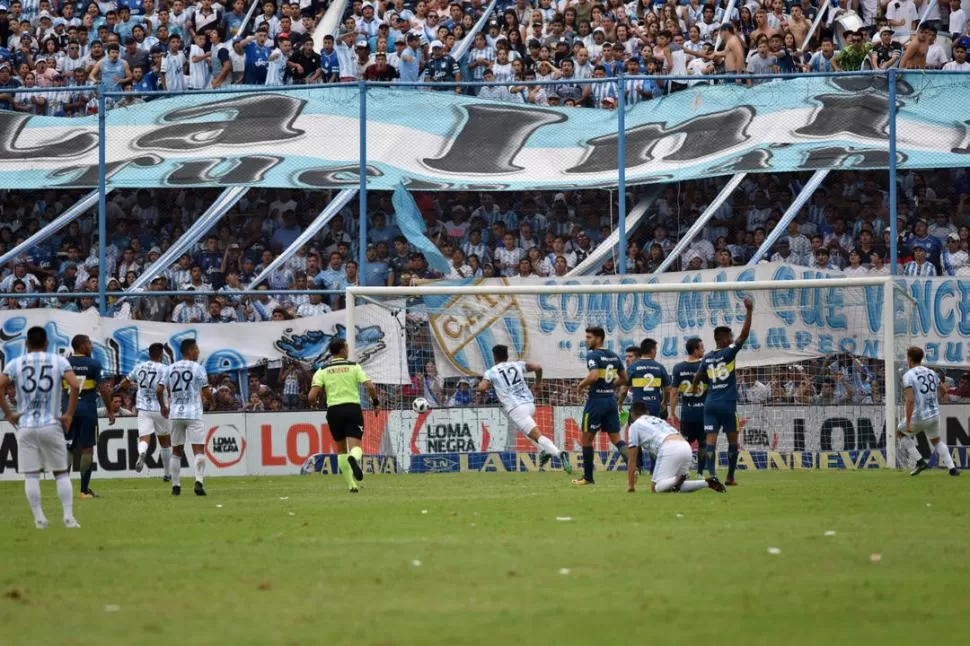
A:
{"x":887,"y":283}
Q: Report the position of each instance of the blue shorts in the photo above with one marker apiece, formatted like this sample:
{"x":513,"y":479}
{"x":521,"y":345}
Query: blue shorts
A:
{"x":601,"y":414}
{"x":653,"y":408}
{"x":720,"y":417}
{"x":83,"y":432}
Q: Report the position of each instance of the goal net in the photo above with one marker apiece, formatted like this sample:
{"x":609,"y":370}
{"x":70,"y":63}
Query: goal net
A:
{"x":818,"y":379}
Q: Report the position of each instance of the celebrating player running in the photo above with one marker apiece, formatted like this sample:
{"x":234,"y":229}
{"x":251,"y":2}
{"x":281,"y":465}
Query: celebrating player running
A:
{"x":146,"y":377}
{"x":188,"y":386}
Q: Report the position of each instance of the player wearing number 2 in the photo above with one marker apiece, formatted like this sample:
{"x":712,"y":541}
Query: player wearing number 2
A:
{"x":508,"y":380}
{"x":188,"y":387}
{"x":146,"y":377}
{"x":606,"y":374}
{"x":721,"y":405}
{"x":922,"y":393}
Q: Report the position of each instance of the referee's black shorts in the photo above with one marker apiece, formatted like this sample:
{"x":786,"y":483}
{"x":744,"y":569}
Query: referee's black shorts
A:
{"x":345,"y":420}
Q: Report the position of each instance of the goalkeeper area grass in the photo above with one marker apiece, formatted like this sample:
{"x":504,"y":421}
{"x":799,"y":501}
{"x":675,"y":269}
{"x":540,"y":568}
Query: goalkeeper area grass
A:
{"x":787,"y":557}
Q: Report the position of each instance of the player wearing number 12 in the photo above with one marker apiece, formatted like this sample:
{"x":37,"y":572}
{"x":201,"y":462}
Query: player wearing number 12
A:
{"x":721,"y":405}
{"x":606,"y":374}
{"x":922,"y":394}
{"x":508,"y":380}
{"x":188,"y":391}
{"x":146,"y":377}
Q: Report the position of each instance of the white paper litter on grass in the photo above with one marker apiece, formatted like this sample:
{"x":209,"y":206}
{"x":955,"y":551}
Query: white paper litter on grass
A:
{"x":830,"y":532}
{"x":564,"y":518}
{"x":112,"y":607}
{"x":774,"y":550}
{"x":564,"y":570}
{"x":424,"y":511}
{"x":218,"y":506}
{"x":416,"y":563}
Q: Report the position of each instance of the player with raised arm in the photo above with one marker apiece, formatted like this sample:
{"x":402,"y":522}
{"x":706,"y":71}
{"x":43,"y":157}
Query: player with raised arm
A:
{"x":671,"y":454}
{"x":83,"y":435}
{"x":691,"y":420}
{"x":341,"y":379}
{"x":721,"y":405}
{"x":187,"y":386}
{"x":146,"y":377}
{"x":601,"y":413}
{"x":921,"y":387}
{"x":511,"y":388}
{"x":37,"y":377}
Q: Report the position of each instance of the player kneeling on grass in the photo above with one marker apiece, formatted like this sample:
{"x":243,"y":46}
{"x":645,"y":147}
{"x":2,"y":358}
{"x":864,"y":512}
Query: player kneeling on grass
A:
{"x":671,"y":453}
{"x":922,"y":392}
{"x":341,"y":379}
{"x":508,"y":380}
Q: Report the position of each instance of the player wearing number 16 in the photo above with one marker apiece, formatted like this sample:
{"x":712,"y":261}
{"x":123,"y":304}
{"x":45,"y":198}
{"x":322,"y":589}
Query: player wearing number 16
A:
{"x":188,"y":389}
{"x":721,"y":405}
{"x":606,"y":374}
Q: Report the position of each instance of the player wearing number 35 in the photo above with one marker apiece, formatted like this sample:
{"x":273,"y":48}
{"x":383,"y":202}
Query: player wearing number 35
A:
{"x":721,"y":405}
{"x":922,"y":392}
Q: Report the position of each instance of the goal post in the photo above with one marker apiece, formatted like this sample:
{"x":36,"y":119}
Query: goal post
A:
{"x":818,"y":377}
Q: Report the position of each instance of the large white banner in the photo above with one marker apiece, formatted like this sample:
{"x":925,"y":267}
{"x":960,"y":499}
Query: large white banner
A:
{"x":120,"y":344}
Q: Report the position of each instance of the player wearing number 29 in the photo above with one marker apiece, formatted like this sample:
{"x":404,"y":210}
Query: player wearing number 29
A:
{"x":606,"y":374}
{"x":670,"y":451}
{"x":37,"y":376}
{"x":187,"y":385}
{"x":922,"y":394}
{"x":721,"y":405}
{"x":146,"y":377}
{"x":508,"y":380}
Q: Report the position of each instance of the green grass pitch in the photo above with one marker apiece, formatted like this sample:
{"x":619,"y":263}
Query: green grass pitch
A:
{"x":489,"y":559}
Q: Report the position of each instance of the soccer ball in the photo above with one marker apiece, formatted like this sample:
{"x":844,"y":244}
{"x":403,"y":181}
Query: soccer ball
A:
{"x":421,"y":405}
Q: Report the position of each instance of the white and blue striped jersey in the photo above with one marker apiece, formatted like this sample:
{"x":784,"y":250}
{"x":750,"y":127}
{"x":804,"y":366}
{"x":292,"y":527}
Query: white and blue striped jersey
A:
{"x":147,"y":375}
{"x":925,"y":383}
{"x":649,"y":433}
{"x":508,"y":380}
{"x":37,"y":377}
{"x":184,"y":383}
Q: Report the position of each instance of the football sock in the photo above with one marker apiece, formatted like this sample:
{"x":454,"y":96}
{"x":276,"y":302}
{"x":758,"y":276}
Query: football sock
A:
{"x":546,"y":445}
{"x":87,"y":467}
{"x":32,"y":489}
{"x":666,"y":484}
{"x":200,"y":467}
{"x":344,"y":466}
{"x":701,"y":457}
{"x":175,"y":466}
{"x":588,"y":463}
{"x":908,"y":446}
{"x":624,"y":451}
{"x":711,"y":459}
{"x":66,"y":493}
{"x":944,"y":452}
{"x":693,"y":485}
{"x":142,"y":447}
{"x":732,"y":460}
{"x":166,"y":453}
{"x":358,"y":454}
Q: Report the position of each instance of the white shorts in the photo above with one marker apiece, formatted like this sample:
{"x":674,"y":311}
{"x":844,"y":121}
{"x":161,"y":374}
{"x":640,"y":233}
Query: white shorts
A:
{"x":192,"y":430}
{"x":931,"y":427}
{"x":41,"y":448}
{"x":151,"y":421}
{"x":673,"y":460}
{"x":523,"y":417}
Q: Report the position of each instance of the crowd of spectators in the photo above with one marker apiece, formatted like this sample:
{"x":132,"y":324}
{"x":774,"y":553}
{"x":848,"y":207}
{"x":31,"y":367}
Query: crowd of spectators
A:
{"x":137,"y":46}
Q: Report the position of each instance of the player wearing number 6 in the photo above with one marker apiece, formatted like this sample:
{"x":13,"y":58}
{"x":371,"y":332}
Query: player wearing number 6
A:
{"x":721,"y":405}
{"x":188,"y":386}
{"x":606,"y":374}
{"x":146,"y":377}
{"x":922,"y":393}
{"x":508,"y":380}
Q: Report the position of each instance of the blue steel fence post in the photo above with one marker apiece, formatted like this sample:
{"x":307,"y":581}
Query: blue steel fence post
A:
{"x":893,"y":233}
{"x":621,"y":168}
{"x":102,"y":199}
{"x":362,"y":195}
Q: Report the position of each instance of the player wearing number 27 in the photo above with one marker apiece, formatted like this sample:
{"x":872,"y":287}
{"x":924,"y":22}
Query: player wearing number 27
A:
{"x":606,"y":374}
{"x":187,"y":386}
{"x":922,"y":394}
{"x":146,"y":377}
{"x":508,"y":380}
{"x":721,"y":405}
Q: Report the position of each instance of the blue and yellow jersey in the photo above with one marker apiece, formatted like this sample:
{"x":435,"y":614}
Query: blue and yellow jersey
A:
{"x":691,"y":403}
{"x":718,"y":367}
{"x":609,"y":366}
{"x":88,"y":371}
{"x":648,"y":379}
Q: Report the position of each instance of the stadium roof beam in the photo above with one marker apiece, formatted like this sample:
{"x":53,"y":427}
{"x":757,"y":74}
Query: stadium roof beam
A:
{"x":226,"y":200}
{"x":803,"y":196}
{"x":75,"y":211}
{"x":636,"y":217}
{"x":701,"y":222}
{"x":333,"y":208}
